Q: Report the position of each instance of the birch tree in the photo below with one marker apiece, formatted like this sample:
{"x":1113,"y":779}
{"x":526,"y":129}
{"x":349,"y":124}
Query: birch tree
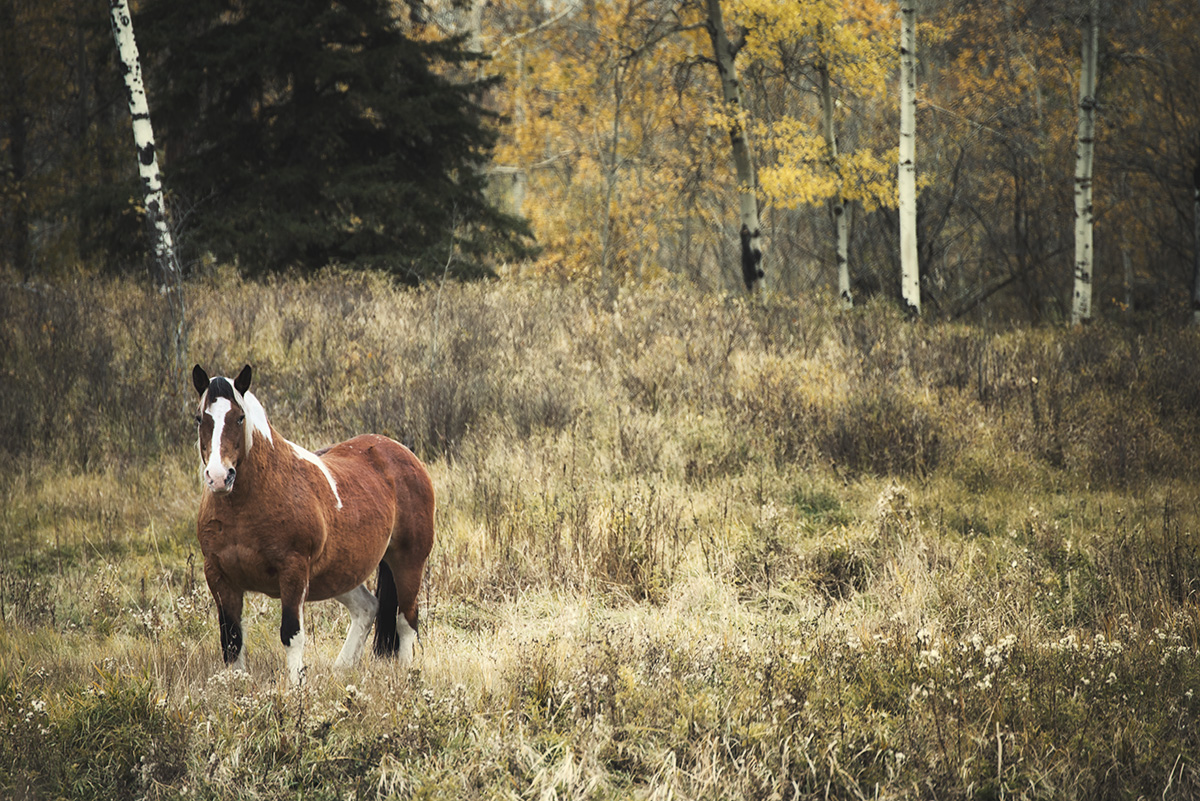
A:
{"x":828,"y":158}
{"x":841,"y":220}
{"x":165,"y":258}
{"x":1081,"y":307}
{"x":725,"y":54}
{"x":910,"y":276}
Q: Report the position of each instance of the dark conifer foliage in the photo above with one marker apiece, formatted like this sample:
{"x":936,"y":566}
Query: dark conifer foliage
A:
{"x":308,"y":132}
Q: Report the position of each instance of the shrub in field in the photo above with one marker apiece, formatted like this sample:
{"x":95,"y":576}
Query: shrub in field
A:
{"x":636,"y":543}
{"x":27,"y":598}
{"x":111,"y":738}
{"x":857,"y":425}
{"x":712,"y":450}
{"x":881,"y":431}
{"x":629,"y":542}
{"x":840,"y":568}
{"x":83,"y":369}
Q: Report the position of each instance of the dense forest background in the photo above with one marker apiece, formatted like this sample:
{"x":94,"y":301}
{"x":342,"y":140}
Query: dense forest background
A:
{"x":600,"y":122}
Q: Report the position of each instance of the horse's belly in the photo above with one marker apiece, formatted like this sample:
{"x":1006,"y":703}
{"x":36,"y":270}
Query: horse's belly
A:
{"x":348,"y":559}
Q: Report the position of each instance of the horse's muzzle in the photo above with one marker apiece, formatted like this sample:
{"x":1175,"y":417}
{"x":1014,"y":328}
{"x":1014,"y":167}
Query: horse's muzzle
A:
{"x":218,"y":486}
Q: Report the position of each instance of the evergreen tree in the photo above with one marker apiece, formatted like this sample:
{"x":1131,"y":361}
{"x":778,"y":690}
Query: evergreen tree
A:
{"x":310,"y":132}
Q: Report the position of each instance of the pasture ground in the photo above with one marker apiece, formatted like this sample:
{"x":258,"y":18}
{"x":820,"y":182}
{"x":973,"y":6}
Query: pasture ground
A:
{"x":688,"y":547}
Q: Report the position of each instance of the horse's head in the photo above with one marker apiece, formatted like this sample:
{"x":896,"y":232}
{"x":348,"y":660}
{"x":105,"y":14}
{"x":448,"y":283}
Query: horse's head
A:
{"x":226,"y":435}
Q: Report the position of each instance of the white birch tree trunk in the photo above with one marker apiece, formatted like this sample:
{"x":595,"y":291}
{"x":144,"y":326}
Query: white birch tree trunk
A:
{"x":1081,"y":306}
{"x":841,"y":220}
{"x":170,"y":274}
{"x":910,"y":273}
{"x":751,"y":231}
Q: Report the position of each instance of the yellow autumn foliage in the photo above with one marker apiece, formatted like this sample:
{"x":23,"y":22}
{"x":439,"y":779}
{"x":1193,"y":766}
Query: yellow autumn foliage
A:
{"x":609,"y":134}
{"x":853,"y":41}
{"x":615,"y":143}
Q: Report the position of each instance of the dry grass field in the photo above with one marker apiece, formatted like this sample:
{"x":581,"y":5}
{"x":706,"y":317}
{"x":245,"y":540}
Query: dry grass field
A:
{"x":688,"y":547}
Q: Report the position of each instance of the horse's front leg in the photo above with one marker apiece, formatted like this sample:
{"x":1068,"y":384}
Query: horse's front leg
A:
{"x":229,"y":617}
{"x":293,"y":589}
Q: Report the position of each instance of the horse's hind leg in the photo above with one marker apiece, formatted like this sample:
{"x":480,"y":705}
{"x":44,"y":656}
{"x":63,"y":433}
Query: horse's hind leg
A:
{"x":396,"y":629}
{"x":362,"y":606}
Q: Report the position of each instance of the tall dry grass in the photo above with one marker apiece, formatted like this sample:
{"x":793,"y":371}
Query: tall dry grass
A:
{"x":688,"y":546}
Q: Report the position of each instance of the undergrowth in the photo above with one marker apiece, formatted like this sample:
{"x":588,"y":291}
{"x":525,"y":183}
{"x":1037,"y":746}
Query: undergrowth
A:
{"x":688,"y":546}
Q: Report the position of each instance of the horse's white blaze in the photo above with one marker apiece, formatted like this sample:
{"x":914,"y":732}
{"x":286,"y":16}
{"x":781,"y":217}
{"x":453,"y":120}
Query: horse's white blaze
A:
{"x":216,"y":469}
{"x":295,"y":653}
{"x":408,"y":638}
{"x":362,"y":606}
{"x":311,"y":457}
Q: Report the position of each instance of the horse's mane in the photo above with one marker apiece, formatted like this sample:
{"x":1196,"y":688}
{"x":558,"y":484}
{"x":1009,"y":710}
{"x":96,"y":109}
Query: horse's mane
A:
{"x":256,"y":416}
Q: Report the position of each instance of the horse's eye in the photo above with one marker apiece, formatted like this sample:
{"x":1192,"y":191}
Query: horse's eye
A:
{"x":199,"y":420}
{"x":241,"y":419}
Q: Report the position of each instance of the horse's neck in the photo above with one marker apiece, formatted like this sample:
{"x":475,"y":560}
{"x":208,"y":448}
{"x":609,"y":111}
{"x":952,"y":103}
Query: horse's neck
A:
{"x":266,"y":453}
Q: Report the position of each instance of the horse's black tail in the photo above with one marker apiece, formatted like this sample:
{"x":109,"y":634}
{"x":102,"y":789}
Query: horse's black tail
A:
{"x":387,"y":641}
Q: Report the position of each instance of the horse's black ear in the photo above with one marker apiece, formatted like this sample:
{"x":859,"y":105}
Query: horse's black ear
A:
{"x":199,"y":379}
{"x":242,"y":382}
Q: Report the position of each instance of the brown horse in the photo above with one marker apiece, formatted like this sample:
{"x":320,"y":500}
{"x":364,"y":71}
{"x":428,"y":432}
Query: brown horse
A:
{"x":301,"y":526}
